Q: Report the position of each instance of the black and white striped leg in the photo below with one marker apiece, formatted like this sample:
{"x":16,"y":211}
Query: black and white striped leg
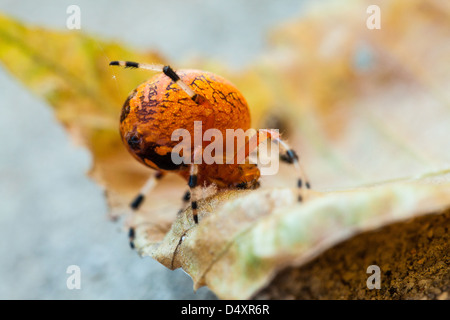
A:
{"x":139,"y":199}
{"x":185,"y":199}
{"x":167,"y":70}
{"x":148,"y":186}
{"x":131,"y":236}
{"x":291,"y":157}
{"x":193,"y":191}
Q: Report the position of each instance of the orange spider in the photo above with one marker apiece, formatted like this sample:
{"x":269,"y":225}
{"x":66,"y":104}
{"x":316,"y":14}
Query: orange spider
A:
{"x":172,"y":100}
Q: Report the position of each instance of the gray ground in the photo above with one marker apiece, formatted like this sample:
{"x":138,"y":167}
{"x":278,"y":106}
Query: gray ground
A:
{"x":51,"y":214}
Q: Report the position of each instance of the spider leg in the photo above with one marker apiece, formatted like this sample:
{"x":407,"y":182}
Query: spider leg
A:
{"x":194,"y":189}
{"x":167,"y":70}
{"x":185,"y":199}
{"x":291,"y":157}
{"x":139,"y":199}
{"x":146,"y":188}
{"x":192,"y":186}
{"x":288,"y":155}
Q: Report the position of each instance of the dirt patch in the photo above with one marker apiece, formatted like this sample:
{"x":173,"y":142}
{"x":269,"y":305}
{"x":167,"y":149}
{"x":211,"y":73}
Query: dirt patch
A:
{"x":413,"y":257}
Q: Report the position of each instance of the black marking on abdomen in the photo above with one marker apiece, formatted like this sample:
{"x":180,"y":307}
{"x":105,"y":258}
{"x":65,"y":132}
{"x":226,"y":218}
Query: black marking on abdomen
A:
{"x":163,"y":162}
{"x":126,"y":106}
{"x":134,"y":141}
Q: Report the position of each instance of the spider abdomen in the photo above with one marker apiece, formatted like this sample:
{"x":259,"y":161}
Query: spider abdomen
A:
{"x":158,"y":107}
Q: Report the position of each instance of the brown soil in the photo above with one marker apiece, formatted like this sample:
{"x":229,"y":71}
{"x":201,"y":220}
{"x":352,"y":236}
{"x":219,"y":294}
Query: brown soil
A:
{"x":413,"y":256}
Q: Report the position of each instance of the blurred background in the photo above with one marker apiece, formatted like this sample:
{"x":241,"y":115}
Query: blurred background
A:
{"x":52,"y":214}
{"x":363,"y":105}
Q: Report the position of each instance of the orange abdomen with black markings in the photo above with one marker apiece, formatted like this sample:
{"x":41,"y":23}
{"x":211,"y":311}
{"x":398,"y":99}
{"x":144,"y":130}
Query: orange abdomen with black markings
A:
{"x":158,"y":107}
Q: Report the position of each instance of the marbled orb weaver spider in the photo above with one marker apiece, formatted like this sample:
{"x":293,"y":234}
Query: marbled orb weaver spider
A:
{"x":172,"y":100}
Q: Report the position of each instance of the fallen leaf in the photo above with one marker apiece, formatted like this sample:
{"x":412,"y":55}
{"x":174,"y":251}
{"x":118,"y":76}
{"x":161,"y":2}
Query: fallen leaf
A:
{"x":368,"y":105}
{"x":245,"y":237}
{"x":361,"y":105}
{"x":73,"y":75}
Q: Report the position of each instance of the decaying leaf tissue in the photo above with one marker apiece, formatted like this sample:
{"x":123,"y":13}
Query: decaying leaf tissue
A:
{"x":353,"y":99}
